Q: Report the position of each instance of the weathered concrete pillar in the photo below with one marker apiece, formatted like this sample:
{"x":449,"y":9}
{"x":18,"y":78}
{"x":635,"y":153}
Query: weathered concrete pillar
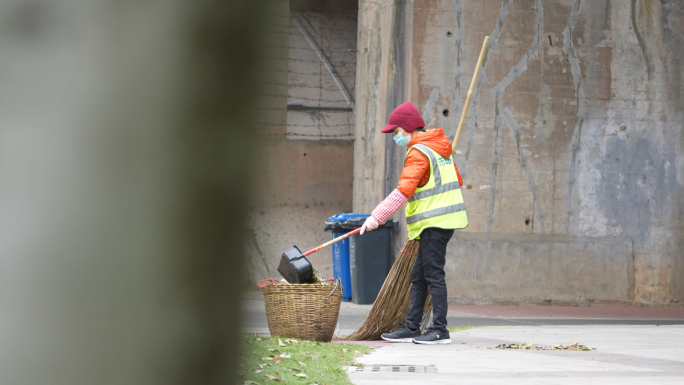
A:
{"x":378,"y":161}
{"x":373,"y":81}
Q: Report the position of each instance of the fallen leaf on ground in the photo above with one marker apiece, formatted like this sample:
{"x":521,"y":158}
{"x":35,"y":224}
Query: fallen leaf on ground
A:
{"x":278,"y":359}
{"x":301,"y":363}
{"x":575,"y":346}
{"x":281,"y":342}
{"x":259,"y":371}
{"x":301,"y":375}
{"x":285,"y":355}
{"x":272,"y":378}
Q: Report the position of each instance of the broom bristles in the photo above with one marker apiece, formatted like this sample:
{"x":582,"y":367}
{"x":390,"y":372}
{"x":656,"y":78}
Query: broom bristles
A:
{"x":392,"y":303}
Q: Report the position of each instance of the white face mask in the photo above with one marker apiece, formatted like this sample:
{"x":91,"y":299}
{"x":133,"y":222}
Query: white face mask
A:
{"x":402,"y":140}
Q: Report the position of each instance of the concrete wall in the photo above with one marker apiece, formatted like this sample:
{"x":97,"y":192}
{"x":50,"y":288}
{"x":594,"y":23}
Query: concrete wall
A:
{"x":272,"y":114}
{"x":533,"y":268}
{"x":574,"y":131}
{"x":305,"y":158}
{"x":311,"y":84}
{"x":299,"y":187}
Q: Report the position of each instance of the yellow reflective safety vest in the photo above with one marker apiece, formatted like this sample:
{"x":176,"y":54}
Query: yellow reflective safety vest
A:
{"x":439,"y":203}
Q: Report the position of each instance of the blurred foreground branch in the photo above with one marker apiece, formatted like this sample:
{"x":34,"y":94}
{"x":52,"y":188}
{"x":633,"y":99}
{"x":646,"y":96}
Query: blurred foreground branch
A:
{"x":125,"y":147}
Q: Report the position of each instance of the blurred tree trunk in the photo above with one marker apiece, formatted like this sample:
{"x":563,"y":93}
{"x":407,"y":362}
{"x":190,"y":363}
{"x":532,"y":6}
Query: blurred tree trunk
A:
{"x":125,"y":144}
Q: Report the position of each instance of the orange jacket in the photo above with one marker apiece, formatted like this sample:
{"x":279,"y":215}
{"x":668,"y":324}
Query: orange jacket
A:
{"x":417,"y":166}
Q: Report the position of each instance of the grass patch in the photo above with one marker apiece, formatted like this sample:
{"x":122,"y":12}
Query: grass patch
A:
{"x":267,"y":360}
{"x":454,"y":329}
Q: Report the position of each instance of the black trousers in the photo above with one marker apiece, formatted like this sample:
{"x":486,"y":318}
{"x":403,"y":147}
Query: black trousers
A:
{"x":428,"y":274}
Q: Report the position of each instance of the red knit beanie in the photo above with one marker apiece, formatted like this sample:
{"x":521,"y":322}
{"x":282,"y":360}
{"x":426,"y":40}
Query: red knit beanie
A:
{"x":406,"y":116}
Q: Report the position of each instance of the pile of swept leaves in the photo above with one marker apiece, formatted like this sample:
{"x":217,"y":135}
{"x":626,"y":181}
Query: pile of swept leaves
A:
{"x":273,"y":359}
{"x":575,"y":346}
{"x":316,"y":276}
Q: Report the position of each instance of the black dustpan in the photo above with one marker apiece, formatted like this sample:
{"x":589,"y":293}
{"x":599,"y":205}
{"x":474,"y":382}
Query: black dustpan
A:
{"x":294,"y":266}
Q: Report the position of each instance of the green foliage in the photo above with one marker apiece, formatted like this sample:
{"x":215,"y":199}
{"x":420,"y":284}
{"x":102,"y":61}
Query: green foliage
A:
{"x":268,"y":360}
{"x":316,"y":276}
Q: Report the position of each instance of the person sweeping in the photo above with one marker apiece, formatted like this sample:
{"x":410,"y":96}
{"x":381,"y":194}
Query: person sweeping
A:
{"x":430,"y":187}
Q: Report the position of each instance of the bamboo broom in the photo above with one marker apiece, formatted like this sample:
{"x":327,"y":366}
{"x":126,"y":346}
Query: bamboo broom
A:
{"x":392,"y":303}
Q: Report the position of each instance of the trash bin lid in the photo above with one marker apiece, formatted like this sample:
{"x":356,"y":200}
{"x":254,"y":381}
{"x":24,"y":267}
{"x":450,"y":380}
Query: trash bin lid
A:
{"x":334,"y":223}
{"x":344,"y":216}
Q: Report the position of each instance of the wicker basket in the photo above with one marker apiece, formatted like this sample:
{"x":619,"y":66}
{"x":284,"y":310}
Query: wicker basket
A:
{"x":304,"y":311}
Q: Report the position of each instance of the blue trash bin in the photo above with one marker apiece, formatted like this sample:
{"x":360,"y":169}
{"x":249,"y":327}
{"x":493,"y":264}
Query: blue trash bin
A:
{"x":340,"y":251}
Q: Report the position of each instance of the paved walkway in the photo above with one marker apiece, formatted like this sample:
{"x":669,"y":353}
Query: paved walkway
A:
{"x":254,"y":316}
{"x":634,"y":346}
{"x":568,"y":312}
{"x":625,"y":355}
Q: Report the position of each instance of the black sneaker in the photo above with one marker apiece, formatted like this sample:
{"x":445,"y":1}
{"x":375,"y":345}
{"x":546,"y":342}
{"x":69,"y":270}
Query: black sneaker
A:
{"x":433,"y":337}
{"x":403,"y":334}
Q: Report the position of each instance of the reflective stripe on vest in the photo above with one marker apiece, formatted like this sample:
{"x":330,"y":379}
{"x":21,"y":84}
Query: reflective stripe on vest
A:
{"x":439,"y":187}
{"x":435,"y":213}
{"x":430,"y":205}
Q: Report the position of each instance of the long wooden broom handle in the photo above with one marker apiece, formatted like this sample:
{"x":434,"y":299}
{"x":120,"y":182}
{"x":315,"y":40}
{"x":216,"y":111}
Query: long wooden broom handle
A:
{"x":341,"y":237}
{"x":470,"y":92}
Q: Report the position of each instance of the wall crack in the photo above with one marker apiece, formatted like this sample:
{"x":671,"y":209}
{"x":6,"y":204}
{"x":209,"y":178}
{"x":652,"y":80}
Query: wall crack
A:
{"x":500,"y":110}
{"x":458,"y":71}
{"x":500,"y":23}
{"x":640,"y":39}
{"x":569,"y":50}
{"x":252,"y":239}
{"x":428,"y":114}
